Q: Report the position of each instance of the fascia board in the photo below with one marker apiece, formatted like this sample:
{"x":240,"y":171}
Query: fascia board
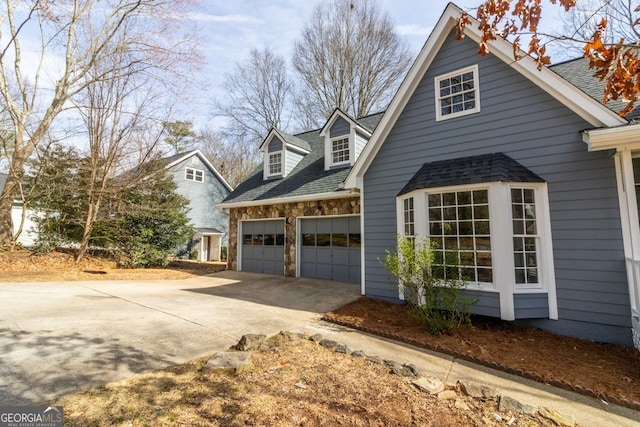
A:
{"x":613,"y":138}
{"x":289,"y":199}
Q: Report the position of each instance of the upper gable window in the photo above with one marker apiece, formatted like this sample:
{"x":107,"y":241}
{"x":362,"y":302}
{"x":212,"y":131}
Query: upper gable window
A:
{"x":275,"y":163}
{"x":457,"y":93}
{"x":192,"y":174}
{"x":340,"y":151}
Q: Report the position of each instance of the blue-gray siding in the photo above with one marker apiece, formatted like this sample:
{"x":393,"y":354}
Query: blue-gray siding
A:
{"x":203,"y":196}
{"x":275,"y":145}
{"x":339,"y":128}
{"x":531,"y":306}
{"x":522,"y":121}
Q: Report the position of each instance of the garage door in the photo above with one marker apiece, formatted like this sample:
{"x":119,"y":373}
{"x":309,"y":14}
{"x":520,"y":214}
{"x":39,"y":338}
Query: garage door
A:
{"x":330,"y":248}
{"x":263,"y":246}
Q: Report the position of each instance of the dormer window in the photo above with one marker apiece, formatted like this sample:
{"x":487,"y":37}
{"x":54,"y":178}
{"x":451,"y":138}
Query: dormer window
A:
{"x":340,"y":151}
{"x":275,"y":163}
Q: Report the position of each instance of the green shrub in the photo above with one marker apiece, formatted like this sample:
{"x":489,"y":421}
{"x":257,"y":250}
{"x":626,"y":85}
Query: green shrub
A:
{"x":438,"y":304}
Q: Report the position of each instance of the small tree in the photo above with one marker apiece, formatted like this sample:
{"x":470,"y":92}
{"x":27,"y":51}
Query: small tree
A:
{"x":437,"y":303}
{"x":150,"y":222}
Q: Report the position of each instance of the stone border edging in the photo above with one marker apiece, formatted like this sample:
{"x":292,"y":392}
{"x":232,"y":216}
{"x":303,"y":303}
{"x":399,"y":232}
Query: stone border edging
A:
{"x":631,"y":404}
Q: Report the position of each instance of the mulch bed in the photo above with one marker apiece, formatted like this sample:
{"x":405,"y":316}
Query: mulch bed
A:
{"x":604,"y":371}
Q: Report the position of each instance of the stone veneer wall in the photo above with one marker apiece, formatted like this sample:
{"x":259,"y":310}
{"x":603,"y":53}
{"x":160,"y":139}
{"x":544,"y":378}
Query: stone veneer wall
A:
{"x":289,"y":212}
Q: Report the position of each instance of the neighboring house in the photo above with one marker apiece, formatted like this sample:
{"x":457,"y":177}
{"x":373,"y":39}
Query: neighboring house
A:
{"x":204,"y":187}
{"x":522,"y":175}
{"x":29,"y":234}
{"x":292,"y":216}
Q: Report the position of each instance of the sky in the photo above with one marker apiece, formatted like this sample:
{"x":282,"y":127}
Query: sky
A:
{"x":231,"y":28}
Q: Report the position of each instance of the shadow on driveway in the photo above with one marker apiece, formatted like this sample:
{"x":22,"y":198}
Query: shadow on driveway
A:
{"x":53,"y":369}
{"x":312,"y":295}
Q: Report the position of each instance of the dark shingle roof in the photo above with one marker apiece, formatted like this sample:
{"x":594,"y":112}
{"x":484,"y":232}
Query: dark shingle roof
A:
{"x":470,"y":170}
{"x":307,"y":178}
{"x":577,"y":72}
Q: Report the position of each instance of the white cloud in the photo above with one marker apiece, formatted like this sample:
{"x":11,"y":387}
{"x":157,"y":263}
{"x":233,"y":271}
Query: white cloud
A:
{"x":414,"y":30}
{"x":234,"y":19}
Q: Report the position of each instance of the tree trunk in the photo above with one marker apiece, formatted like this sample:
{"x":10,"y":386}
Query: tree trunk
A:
{"x":6,"y":222}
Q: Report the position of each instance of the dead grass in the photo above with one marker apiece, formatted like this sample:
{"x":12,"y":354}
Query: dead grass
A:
{"x":295,"y":382}
{"x":27,"y":266}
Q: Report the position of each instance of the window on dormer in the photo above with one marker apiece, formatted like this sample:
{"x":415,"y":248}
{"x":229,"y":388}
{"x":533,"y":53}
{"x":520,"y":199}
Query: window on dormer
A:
{"x":275,"y":163}
{"x":340,"y":150}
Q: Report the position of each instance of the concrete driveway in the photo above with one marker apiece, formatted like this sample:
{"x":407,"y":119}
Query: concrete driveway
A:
{"x":56,"y":338}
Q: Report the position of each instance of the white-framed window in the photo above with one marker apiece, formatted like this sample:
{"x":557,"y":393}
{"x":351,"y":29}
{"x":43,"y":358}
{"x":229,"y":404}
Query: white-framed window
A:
{"x":192,"y":174}
{"x":495,"y":235}
{"x":457,"y":93}
{"x":340,"y":151}
{"x":409,"y":217}
{"x":460,"y":231}
{"x":525,"y":236}
{"x":275,"y":163}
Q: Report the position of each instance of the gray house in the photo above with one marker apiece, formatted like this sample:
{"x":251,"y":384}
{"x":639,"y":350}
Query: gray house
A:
{"x":521,"y":176}
{"x":202,"y":184}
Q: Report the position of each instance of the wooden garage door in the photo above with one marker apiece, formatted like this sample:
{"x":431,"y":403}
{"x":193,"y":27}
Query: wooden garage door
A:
{"x":330,"y":248}
{"x":263,"y":246}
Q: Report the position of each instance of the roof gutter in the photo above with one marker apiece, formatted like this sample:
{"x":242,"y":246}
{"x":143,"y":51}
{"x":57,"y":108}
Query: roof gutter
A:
{"x":290,"y":199}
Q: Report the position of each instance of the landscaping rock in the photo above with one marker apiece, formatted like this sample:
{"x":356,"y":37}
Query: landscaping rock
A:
{"x":429,"y":384}
{"x":374,"y":359}
{"x":249,"y":342}
{"x":447,"y":395}
{"x":358,"y":353}
{"x":292,"y":336}
{"x":330,"y":344}
{"x":342,"y":348}
{"x":479,"y":391}
{"x":557,"y":417}
{"x":508,"y":403}
{"x":316,"y":337}
{"x":412,"y":369}
{"x":230,"y":362}
{"x":460,"y":404}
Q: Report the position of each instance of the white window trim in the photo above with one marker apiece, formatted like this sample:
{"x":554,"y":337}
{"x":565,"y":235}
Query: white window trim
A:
{"x":500,"y":218}
{"x":194,"y":173}
{"x":351,"y":145}
{"x":476,"y":85}
{"x":267,"y":169}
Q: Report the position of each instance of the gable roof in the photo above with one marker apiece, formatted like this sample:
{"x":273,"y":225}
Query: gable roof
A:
{"x":290,"y":140}
{"x":359,"y":123}
{"x":308,"y":180}
{"x":496,"y":167}
{"x":578,"y":101}
{"x":170,"y":161}
{"x":577,"y":72}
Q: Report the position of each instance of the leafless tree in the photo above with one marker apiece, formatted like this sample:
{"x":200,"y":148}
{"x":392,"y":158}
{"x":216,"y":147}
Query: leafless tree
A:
{"x":258,"y":92}
{"x":233,"y":155}
{"x":581,"y":22}
{"x":74,"y":35}
{"x":117,"y":108}
{"x":349,"y":56}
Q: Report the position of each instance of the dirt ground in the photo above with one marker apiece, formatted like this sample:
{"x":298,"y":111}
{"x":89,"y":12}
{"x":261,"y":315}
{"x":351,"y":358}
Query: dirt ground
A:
{"x":334,"y":393}
{"x":26,"y":266}
{"x":605,"y":371}
{"x":295,"y":382}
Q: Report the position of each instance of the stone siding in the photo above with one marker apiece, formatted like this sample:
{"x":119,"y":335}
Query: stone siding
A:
{"x":289,"y":212}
